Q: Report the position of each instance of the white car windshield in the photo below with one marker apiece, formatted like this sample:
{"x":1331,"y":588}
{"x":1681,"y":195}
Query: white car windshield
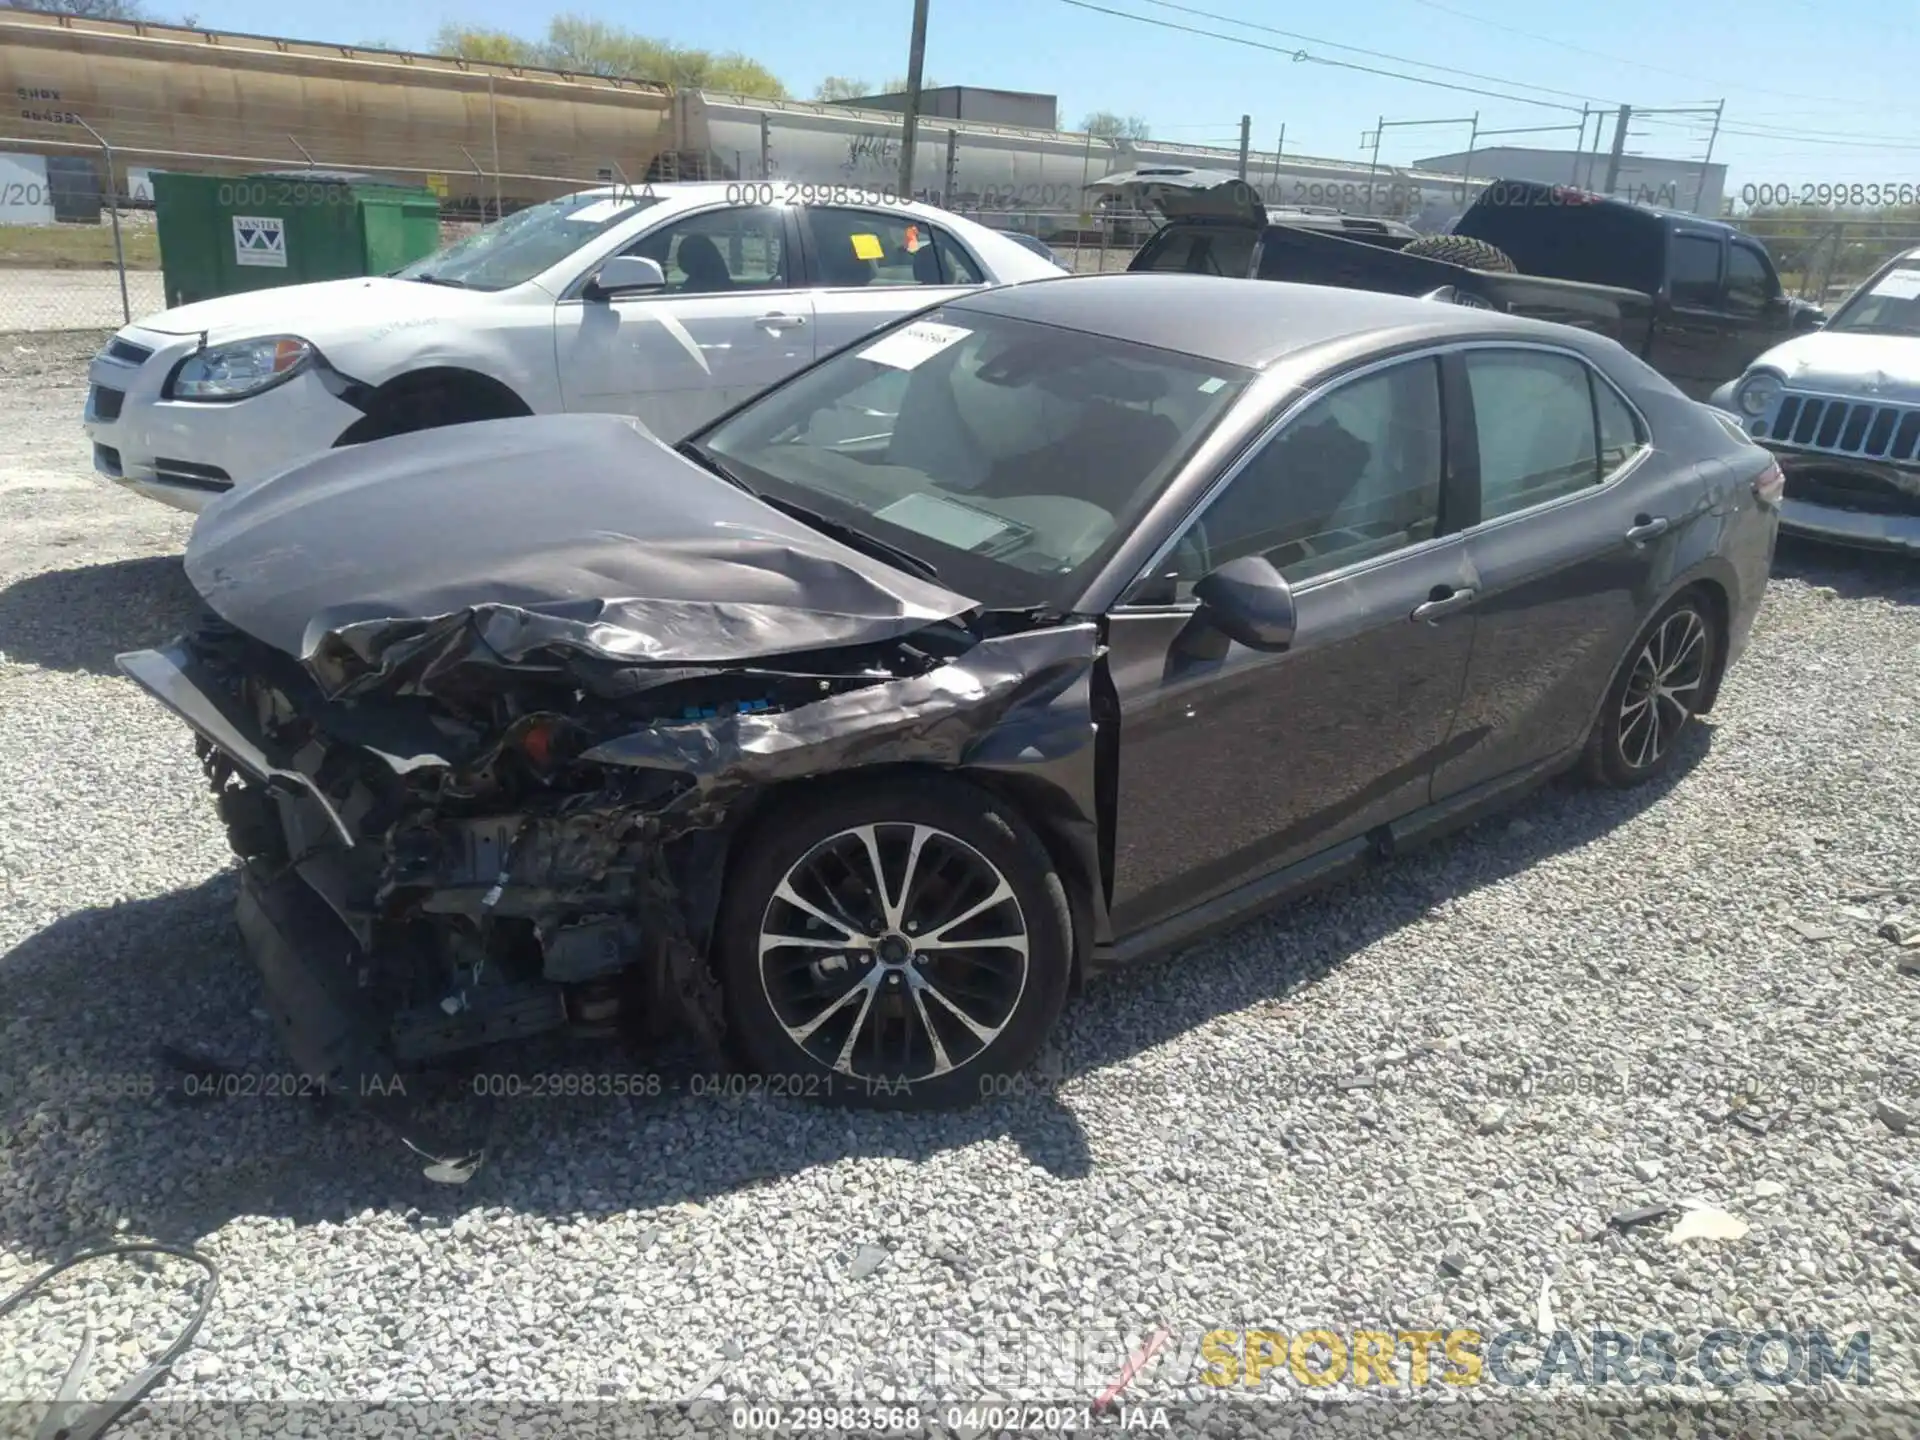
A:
{"x":1889,"y":305}
{"x":1008,"y":456}
{"x":513,"y":250}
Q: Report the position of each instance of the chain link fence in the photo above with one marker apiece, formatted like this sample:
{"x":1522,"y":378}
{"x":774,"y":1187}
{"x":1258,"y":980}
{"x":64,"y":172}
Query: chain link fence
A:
{"x":1825,"y":259}
{"x":66,"y":276}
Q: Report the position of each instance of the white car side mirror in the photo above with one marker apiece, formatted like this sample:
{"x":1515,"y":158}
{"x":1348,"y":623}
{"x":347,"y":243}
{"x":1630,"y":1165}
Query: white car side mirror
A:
{"x":624,"y":274}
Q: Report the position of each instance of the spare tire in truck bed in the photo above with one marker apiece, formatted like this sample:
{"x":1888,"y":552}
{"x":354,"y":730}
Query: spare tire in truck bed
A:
{"x":1462,"y":250}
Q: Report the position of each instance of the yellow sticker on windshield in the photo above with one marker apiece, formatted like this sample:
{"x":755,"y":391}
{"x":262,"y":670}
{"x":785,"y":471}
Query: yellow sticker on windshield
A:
{"x":868,"y":247}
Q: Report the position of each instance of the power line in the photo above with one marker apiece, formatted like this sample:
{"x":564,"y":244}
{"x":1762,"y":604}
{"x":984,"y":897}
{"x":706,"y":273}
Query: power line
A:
{"x":1614,"y":59}
{"x":1361,"y":50}
{"x":1301,"y":56}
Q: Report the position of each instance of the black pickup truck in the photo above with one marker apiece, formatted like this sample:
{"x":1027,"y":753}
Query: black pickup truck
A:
{"x":1696,"y":299}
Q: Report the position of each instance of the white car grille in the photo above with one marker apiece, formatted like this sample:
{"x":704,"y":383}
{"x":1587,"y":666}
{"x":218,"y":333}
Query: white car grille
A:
{"x":1837,"y":426}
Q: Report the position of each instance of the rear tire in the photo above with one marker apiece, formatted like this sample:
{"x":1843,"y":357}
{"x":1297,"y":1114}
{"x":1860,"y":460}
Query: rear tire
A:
{"x":1463,"y":250}
{"x":878,"y":1023}
{"x":1657,"y":694}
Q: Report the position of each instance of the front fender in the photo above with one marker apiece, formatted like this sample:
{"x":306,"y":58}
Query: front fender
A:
{"x":523,"y":363}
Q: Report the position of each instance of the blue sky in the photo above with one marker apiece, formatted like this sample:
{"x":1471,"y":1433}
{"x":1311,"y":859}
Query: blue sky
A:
{"x":1815,"y":90}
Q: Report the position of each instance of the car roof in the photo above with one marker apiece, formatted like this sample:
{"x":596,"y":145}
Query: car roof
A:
{"x":693,"y":192}
{"x":1253,"y":324}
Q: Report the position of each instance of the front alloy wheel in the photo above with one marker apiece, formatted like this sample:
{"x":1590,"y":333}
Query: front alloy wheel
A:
{"x":906,"y":946}
{"x":893,"y":952}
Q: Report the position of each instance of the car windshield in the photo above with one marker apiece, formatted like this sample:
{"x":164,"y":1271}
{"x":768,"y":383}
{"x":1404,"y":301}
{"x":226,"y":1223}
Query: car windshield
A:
{"x":1889,"y":305}
{"x":1007,"y":455}
{"x":513,"y":250}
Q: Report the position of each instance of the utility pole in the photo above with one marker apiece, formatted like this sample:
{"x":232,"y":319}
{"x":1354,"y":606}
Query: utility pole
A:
{"x":1246,"y":140}
{"x":1619,"y":149}
{"x":1700,"y":190}
{"x":916,"y":57}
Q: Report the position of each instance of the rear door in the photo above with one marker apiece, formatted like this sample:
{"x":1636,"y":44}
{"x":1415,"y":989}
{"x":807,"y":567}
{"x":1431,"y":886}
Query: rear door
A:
{"x":1575,"y":524}
{"x":733,"y":319}
{"x":870,"y":267}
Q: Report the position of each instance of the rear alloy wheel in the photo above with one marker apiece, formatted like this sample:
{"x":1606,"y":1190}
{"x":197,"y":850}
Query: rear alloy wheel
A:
{"x":897,"y":949}
{"x":1656,"y":695}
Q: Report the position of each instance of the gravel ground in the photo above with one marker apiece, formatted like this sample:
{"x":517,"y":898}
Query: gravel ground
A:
{"x":1187,"y":1161}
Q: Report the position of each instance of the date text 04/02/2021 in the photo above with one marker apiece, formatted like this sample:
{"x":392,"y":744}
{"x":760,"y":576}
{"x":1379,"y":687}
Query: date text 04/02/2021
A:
{"x":1009,"y":1417}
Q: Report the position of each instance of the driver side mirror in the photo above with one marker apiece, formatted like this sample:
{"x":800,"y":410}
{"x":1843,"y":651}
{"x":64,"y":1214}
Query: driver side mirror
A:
{"x":624,"y":275}
{"x":1248,"y":601}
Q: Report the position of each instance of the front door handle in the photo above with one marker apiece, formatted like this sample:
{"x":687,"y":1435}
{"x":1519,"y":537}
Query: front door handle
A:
{"x":777,"y":321}
{"x":1444,"y":602}
{"x":1646,"y":527}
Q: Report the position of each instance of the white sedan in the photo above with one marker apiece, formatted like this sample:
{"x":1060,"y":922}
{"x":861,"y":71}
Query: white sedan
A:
{"x":671,"y":303}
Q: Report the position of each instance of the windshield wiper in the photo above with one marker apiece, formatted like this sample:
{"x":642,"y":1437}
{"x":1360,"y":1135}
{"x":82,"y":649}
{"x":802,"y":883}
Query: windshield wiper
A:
{"x":838,"y":529}
{"x":440,"y":280}
{"x":708,"y":462}
{"x":858,"y":539}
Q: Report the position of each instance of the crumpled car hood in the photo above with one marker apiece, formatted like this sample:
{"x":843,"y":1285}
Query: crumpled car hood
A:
{"x":553,"y":533}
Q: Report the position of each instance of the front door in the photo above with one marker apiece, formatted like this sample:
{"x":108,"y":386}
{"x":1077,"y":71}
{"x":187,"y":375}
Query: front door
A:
{"x":1694,"y":335}
{"x":731,"y":321}
{"x":1236,"y":763}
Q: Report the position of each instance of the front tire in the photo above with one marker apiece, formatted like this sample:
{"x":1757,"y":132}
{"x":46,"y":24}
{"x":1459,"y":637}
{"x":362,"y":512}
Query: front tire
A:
{"x":1656,"y":696}
{"x":900,"y":947}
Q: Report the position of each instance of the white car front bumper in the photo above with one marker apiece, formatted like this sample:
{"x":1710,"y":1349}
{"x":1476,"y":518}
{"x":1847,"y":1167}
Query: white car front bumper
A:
{"x":184,"y":453}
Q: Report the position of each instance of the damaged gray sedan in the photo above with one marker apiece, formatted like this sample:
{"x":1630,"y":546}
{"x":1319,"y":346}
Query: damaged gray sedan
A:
{"x":1052,"y":627}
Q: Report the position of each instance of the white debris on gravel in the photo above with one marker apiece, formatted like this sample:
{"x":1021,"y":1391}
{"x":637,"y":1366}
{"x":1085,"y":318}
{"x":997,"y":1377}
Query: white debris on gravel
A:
{"x":1196,"y":1165}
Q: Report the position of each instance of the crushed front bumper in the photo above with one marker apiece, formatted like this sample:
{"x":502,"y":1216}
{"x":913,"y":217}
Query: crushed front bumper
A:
{"x":1843,"y":500}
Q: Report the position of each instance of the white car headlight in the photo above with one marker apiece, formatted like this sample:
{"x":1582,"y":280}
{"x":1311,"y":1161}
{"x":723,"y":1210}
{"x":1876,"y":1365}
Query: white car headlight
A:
{"x":245,"y":367}
{"x":1756,"y":393}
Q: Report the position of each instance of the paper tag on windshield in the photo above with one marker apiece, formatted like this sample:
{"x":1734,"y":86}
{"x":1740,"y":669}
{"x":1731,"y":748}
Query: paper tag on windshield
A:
{"x":914,"y":345}
{"x":598,"y":211}
{"x":1899,"y":284}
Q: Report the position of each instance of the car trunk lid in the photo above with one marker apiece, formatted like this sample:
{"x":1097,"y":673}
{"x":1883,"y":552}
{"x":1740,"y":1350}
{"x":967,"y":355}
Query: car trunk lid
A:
{"x":1179,"y":193}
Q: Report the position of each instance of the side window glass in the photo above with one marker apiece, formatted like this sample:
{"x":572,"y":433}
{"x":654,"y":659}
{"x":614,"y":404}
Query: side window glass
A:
{"x":1696,"y":270}
{"x":1749,"y":281}
{"x":1354,"y":476}
{"x":959,"y":265}
{"x":871,"y":247}
{"x":1535,"y":417}
{"x":739,"y":248}
{"x":1621,"y":437}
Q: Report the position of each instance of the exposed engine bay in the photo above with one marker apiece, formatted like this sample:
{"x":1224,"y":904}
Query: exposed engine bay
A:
{"x":486,"y":791}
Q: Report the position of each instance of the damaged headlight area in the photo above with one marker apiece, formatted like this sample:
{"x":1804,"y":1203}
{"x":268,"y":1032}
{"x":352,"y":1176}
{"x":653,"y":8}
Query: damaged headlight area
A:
{"x":540,"y":848}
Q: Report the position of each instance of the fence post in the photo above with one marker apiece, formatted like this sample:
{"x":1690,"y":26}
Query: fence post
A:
{"x":113,"y":208}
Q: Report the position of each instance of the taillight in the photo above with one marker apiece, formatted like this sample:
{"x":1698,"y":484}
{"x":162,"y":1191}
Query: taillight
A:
{"x":1770,"y":484}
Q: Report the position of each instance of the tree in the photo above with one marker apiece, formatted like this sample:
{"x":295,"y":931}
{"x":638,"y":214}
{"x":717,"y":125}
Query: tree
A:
{"x":593,"y":47}
{"x":496,"y":46}
{"x":1110,"y":126}
{"x":84,"y":9}
{"x":839,"y":87}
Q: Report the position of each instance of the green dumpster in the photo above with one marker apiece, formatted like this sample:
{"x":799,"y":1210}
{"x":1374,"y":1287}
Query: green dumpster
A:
{"x":221,"y":234}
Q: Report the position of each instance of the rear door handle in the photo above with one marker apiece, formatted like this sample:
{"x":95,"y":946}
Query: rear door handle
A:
{"x":1646,"y":528}
{"x":1443,"y":604}
{"x":777,"y":321}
